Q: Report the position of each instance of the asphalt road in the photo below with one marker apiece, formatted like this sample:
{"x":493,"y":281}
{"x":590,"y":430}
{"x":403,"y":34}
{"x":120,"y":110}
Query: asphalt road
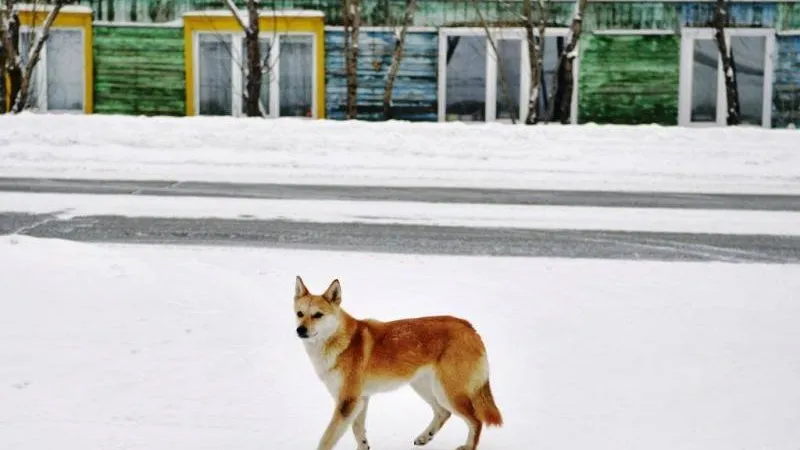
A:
{"x":410,"y":239}
{"x":417,"y":194}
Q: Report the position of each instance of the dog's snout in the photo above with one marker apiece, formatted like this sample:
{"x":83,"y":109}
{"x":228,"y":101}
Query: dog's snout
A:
{"x":302,"y":331}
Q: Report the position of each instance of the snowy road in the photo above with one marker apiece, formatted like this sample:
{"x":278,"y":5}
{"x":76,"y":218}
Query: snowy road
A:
{"x":416,"y":239}
{"x":688,"y":200}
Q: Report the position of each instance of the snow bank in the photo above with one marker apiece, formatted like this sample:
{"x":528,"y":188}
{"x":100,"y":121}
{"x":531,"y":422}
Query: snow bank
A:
{"x":411,"y":213}
{"x":190,"y":348}
{"x":648,"y":158}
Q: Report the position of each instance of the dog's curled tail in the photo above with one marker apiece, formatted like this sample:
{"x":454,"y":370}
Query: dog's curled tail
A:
{"x":485,"y":408}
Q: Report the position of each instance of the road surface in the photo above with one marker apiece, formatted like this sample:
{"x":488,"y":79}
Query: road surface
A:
{"x":410,"y":239}
{"x":416,"y":194}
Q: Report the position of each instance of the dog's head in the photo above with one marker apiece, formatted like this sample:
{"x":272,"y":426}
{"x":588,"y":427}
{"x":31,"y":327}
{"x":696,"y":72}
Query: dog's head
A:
{"x":317,"y":315}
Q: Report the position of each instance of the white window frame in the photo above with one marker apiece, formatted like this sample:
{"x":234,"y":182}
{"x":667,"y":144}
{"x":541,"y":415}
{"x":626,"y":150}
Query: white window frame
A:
{"x":237,"y":88}
{"x":688,"y":36}
{"x":490,"y":112}
{"x":40,"y":79}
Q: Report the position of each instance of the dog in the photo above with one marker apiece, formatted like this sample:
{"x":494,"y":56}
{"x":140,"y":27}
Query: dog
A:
{"x":442,"y":357}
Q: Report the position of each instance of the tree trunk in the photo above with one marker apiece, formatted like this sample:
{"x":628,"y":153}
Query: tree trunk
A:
{"x":565,"y":64}
{"x":501,"y":73}
{"x":3,"y":105}
{"x":351,"y":10}
{"x":20,"y":100}
{"x":731,"y":86}
{"x":2,"y":82}
{"x":11,"y":64}
{"x":254,"y":74}
{"x":534,"y":56}
{"x":397,"y":58}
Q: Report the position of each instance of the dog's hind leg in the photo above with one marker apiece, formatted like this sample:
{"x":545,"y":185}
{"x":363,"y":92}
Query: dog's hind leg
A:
{"x":424,"y":388}
{"x":459,"y":373}
{"x":360,"y":425}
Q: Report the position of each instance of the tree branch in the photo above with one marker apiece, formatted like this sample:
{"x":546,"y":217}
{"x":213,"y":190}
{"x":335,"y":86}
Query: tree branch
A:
{"x":236,"y":14}
{"x":397,"y":57}
{"x":502,"y":74}
{"x":33,"y":56}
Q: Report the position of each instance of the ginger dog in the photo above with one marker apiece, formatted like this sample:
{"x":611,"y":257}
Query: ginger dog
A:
{"x":441,"y":357}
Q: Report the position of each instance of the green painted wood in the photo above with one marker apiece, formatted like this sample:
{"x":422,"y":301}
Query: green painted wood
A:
{"x":786,"y":87}
{"x":601,"y":14}
{"x":374,"y":12}
{"x":632,"y":16}
{"x":139,"y":70}
{"x":789,"y":16}
{"x":629,"y":79}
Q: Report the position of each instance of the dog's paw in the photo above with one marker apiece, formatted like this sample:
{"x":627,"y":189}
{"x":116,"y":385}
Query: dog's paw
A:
{"x":423,"y":438}
{"x":363,"y":445}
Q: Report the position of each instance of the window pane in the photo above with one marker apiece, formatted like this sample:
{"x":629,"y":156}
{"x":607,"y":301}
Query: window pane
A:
{"x":33,"y":88}
{"x":704,"y":81}
{"x":214,"y":67}
{"x":508,"y":66}
{"x":552,"y":48}
{"x":65,"y":70}
{"x":264,"y":46}
{"x":296,"y":77}
{"x":465,"y":91}
{"x":748,"y":59}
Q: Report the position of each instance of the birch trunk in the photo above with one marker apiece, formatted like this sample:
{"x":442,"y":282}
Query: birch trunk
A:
{"x":2,"y":81}
{"x":566,"y":64}
{"x":733,"y":111}
{"x":397,"y":58}
{"x":33,"y":58}
{"x":254,"y":72}
{"x":500,"y":72}
{"x":351,"y":9}
{"x":12,"y":65}
{"x":534,"y":56}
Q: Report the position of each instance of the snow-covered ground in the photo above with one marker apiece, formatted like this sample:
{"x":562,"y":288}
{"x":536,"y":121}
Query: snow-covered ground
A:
{"x":412,"y":213}
{"x":645,"y":158}
{"x":193,"y":348}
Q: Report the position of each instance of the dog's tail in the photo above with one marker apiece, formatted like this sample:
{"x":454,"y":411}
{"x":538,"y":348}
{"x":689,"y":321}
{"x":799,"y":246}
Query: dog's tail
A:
{"x":485,"y":408}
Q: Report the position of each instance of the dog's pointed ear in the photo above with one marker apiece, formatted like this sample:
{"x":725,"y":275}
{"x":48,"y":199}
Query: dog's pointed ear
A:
{"x":334,"y":293}
{"x":300,"y":289}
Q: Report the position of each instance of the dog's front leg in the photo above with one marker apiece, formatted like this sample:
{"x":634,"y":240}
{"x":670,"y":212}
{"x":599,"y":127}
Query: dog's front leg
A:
{"x":346,"y":409}
{"x":360,"y":425}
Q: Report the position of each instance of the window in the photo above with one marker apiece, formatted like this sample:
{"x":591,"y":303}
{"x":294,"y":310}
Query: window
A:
{"x":58,"y":81}
{"x":482,"y":79}
{"x":288,"y":81}
{"x":702,"y":97}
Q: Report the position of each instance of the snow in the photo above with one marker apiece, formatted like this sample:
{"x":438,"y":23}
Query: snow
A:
{"x":644,"y":158}
{"x":140,"y":347}
{"x":193,"y":348}
{"x":67,"y":206}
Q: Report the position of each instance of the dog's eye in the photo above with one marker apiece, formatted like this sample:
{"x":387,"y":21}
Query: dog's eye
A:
{"x":317,"y":315}
{"x":299,"y":314}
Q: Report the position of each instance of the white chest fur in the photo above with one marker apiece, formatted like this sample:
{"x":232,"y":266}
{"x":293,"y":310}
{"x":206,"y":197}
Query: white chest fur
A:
{"x":323,"y":366}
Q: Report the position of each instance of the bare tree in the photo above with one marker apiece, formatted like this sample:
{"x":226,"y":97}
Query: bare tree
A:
{"x":535,"y":55}
{"x":254,"y":70}
{"x":562,"y":104}
{"x":720,"y":21}
{"x":351,"y":15}
{"x":19,"y":70}
{"x":397,"y":57}
{"x":3,"y":106}
{"x":503,"y":79}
